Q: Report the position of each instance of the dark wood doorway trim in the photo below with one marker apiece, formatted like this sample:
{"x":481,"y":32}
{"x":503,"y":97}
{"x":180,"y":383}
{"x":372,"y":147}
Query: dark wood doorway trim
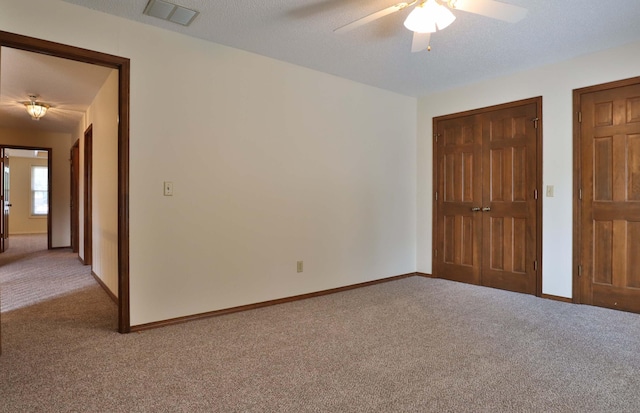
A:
{"x":538,"y":102}
{"x":88,"y":196}
{"x":124,"y":69}
{"x":577,"y":176}
{"x":74,"y":160}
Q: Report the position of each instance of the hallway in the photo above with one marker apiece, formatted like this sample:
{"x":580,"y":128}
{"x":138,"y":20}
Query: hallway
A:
{"x":31,"y":274}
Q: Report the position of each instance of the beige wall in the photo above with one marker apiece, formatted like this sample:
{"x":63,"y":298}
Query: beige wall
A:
{"x":20,"y":219}
{"x":274,"y":164}
{"x":102,"y":116}
{"x":60,"y":144}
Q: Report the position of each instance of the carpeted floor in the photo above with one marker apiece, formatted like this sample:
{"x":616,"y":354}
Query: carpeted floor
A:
{"x":413,"y":345}
{"x":29,"y":273}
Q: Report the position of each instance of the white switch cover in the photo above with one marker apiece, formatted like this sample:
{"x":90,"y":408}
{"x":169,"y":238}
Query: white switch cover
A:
{"x":168,"y":188}
{"x":550,"y":191}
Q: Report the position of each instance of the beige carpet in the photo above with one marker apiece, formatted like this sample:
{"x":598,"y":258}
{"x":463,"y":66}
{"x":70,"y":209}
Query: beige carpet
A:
{"x":413,"y":345}
{"x":30,"y":274}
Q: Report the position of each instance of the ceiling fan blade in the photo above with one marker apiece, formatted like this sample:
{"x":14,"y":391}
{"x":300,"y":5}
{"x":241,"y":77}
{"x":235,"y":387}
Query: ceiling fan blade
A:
{"x":420,"y":41}
{"x":491,"y":8}
{"x":373,"y":16}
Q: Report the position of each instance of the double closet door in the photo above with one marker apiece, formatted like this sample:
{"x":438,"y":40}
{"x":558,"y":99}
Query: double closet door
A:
{"x":486,"y":208}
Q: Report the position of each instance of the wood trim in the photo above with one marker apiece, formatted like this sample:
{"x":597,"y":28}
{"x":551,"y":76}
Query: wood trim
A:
{"x":32,"y":44}
{"x":124,"y":320}
{"x":539,"y":183}
{"x":50,"y":196}
{"x":577,"y":213}
{"x":556,"y":298}
{"x":121,"y":64}
{"x":489,"y":109}
{"x":74,"y":181}
{"x":269,"y":303}
{"x":105,"y":288}
{"x":577,"y":176}
{"x":435,"y":268}
{"x":425,"y":275}
{"x":87,"y":173}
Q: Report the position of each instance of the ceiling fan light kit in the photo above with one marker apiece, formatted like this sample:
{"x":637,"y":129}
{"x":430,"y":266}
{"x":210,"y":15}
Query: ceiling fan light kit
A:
{"x":36,"y":109}
{"x":428,"y":17}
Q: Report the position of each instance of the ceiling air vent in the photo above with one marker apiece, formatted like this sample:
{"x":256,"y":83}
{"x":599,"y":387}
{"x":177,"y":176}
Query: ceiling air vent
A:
{"x":170,"y":12}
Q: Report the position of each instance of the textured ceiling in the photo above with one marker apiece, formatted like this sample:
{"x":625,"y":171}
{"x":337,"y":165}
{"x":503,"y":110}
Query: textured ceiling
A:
{"x":68,"y":86}
{"x":471,"y":49}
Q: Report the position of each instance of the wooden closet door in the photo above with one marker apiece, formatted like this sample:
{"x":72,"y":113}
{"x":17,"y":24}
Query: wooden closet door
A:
{"x":509,"y":198}
{"x":486,"y":174}
{"x":459,"y":221}
{"x":610,"y":205}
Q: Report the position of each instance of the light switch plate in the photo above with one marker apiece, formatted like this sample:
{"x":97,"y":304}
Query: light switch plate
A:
{"x":550,"y":191}
{"x":168,"y":188}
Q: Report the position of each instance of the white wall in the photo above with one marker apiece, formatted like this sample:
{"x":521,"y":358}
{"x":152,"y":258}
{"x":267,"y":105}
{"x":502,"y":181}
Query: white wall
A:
{"x":60,"y":143}
{"x":271,"y":163}
{"x":555,"y":84}
{"x":20,"y":219}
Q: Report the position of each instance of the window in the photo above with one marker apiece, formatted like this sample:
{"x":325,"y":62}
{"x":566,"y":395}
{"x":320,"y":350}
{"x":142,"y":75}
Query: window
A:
{"x":39,"y":190}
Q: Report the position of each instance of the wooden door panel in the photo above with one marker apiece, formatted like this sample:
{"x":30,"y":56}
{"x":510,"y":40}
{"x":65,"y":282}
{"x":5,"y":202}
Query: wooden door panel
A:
{"x":459,"y":178}
{"x":625,"y":299}
{"x":459,"y":169}
{"x":616,"y":253}
{"x":610,"y":208}
{"x":508,"y":244}
{"x":509,"y":225}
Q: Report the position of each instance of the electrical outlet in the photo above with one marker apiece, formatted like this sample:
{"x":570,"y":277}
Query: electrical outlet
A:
{"x":168,"y":188}
{"x":300,"y":266}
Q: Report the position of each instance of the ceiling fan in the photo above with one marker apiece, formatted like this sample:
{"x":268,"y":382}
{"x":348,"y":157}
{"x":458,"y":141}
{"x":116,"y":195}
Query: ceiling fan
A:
{"x":428,"y":16}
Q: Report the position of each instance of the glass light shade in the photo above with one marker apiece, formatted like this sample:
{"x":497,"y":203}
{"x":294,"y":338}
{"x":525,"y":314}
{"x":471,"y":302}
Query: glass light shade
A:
{"x":429,"y":17}
{"x":36,"y":109}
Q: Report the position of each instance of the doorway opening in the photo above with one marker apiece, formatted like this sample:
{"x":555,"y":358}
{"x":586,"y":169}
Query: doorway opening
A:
{"x":122,"y":65}
{"x":26,"y":190}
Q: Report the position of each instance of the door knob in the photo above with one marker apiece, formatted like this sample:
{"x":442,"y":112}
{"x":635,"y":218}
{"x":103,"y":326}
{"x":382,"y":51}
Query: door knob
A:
{"x":486,"y":209}
{"x":475,"y":209}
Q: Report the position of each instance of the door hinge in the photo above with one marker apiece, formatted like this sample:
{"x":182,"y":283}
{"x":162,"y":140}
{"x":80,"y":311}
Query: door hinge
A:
{"x":580,"y":194}
{"x":535,"y":194}
{"x":535,"y":122}
{"x":435,"y":135}
{"x":436,"y":195}
{"x":535,"y":265}
{"x":579,"y":117}
{"x":435,"y":252}
{"x":579,"y":270}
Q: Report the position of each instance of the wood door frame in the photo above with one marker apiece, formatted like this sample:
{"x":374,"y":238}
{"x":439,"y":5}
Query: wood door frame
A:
{"x":577,"y":176}
{"x":87,"y":173}
{"x":74,"y":186}
{"x":49,"y":181}
{"x":538,"y":101}
{"x":123,"y":66}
